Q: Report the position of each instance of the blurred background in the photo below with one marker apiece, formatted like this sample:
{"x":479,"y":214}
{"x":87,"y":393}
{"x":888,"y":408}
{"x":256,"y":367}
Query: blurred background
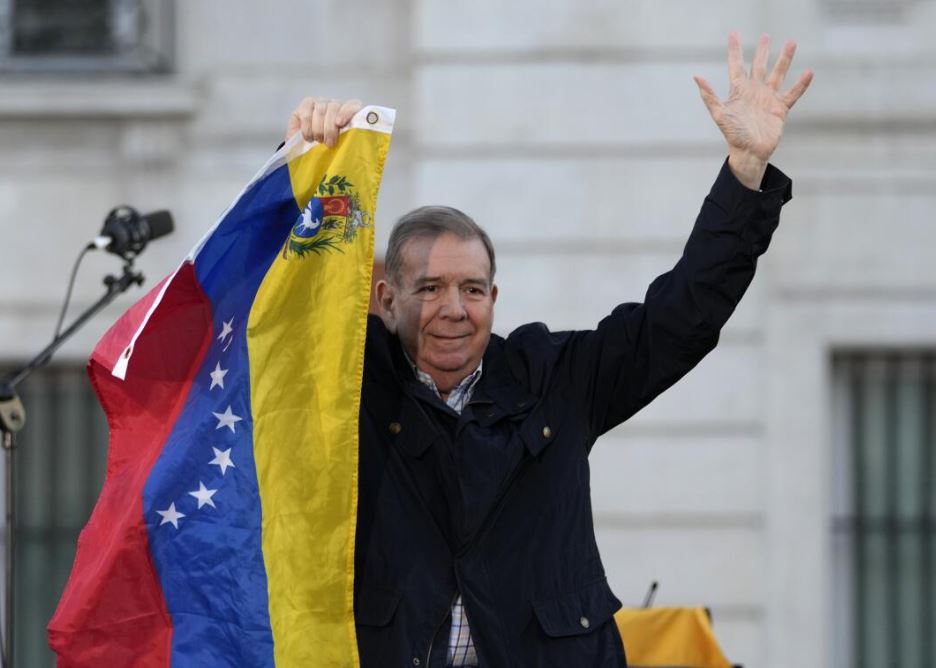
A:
{"x":788,"y":483}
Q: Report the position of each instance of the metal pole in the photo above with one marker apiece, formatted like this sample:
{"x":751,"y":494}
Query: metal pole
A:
{"x":9,"y":550}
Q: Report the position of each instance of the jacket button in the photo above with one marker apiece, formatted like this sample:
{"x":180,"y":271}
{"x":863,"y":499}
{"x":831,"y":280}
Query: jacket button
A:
{"x":395,"y":428}
{"x":547,"y":432}
{"x":415,"y":660}
{"x":584,"y":622}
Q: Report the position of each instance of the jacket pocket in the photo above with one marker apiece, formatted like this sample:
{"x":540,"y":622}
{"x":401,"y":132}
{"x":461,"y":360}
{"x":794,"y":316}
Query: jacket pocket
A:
{"x":578,"y":612}
{"x":375,"y":606}
{"x":539,"y":428}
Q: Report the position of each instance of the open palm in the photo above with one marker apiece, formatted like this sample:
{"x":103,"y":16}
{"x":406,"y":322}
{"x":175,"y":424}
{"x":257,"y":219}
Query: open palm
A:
{"x":753,"y":115}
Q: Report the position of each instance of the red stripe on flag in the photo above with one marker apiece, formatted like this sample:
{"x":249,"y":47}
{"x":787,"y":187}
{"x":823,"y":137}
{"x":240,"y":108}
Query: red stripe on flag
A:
{"x":113,"y":612}
{"x":113,"y":344}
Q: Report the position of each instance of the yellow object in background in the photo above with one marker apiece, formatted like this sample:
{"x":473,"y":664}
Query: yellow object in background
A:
{"x":670,"y":637}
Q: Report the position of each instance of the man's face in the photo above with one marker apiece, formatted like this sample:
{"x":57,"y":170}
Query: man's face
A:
{"x":441,"y":305}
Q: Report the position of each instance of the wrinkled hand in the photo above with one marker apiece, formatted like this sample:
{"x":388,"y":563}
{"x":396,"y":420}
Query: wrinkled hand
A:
{"x":321,"y":118}
{"x":753,"y":115}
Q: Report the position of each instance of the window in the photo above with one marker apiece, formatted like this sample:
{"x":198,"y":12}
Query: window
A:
{"x":85,"y":35}
{"x":60,"y":462}
{"x":884,"y":501}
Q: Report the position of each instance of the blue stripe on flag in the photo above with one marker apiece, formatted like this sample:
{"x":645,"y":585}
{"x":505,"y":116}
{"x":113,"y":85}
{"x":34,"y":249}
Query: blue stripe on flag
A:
{"x":209,"y":558}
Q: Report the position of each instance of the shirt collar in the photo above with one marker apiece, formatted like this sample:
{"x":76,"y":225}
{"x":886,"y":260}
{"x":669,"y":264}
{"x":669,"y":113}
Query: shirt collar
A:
{"x":459,"y":395}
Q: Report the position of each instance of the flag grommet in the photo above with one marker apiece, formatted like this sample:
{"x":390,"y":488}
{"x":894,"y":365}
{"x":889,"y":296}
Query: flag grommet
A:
{"x":372,"y":117}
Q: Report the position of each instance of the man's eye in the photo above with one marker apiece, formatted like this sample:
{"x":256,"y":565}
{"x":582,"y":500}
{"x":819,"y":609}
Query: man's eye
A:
{"x":428,"y":288}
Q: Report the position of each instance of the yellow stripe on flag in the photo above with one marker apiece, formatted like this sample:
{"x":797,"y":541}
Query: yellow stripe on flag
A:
{"x":306,"y":335}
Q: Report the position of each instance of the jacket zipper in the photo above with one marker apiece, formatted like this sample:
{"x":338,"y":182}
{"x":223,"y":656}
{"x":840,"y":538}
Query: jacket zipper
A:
{"x":488,"y":521}
{"x":499,"y":504}
{"x":521,"y":466}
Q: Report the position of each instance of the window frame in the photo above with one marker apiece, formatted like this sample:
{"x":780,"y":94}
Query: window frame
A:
{"x":145,"y":45}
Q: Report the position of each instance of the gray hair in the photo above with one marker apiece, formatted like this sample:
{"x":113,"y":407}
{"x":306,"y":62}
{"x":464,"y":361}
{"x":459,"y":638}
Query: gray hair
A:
{"x":431,"y":222}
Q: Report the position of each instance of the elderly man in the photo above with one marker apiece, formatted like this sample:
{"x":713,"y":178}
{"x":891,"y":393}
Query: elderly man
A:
{"x":475,"y":542}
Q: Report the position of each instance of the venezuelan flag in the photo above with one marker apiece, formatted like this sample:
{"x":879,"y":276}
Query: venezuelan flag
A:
{"x":224,"y":533}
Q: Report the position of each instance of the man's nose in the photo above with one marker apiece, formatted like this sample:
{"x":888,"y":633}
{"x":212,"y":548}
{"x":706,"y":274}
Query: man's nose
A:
{"x":452,"y":305}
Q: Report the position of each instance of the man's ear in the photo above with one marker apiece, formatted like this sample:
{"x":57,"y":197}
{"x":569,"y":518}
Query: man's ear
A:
{"x":386,"y":304}
{"x":493,"y":293}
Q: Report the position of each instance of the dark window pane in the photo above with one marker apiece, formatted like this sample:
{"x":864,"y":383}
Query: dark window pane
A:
{"x":889,"y":425}
{"x":60,"y":462}
{"x":86,"y":36}
{"x":62,"y":27}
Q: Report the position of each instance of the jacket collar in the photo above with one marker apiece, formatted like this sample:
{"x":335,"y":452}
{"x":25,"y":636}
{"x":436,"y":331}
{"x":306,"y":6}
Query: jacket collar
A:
{"x":497,"y":386}
{"x":497,"y":395}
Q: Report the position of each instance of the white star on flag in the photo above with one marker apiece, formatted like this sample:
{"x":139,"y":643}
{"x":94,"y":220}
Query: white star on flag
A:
{"x":217,"y":376}
{"x":227,"y":419}
{"x":203,"y":494}
{"x":226,"y":329}
{"x":222,"y":459}
{"x":170,"y":516}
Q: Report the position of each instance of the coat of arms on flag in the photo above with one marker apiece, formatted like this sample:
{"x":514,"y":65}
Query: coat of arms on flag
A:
{"x":331,"y":218}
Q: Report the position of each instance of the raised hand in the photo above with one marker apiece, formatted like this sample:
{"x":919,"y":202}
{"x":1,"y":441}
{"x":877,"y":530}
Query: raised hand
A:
{"x":321,"y":118}
{"x":753,"y":115}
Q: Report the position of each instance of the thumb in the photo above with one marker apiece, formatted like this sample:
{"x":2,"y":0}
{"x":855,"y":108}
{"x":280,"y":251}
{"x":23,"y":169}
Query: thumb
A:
{"x":293,"y":126}
{"x":712,"y":103}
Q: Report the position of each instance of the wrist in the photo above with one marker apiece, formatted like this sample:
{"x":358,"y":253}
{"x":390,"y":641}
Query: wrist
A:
{"x":747,"y":168}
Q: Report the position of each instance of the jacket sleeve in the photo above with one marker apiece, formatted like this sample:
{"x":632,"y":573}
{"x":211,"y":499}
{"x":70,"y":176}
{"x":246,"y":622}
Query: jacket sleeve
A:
{"x":640,"y":350}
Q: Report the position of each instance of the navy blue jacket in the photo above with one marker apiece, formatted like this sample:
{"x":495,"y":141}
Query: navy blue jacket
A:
{"x":495,"y":503}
